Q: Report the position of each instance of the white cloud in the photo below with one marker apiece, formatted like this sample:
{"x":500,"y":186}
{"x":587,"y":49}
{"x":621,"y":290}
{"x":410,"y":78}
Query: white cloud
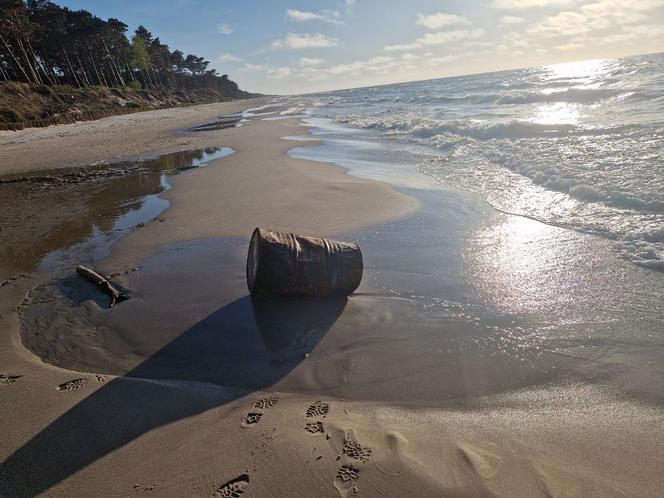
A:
{"x":298,"y":15}
{"x":402,"y":46}
{"x":279,"y":73}
{"x":526,"y":4}
{"x":409,"y":56}
{"x":298,"y":41}
{"x":225,"y":29}
{"x":439,"y":38}
{"x":308,"y":62}
{"x":562,"y":24}
{"x":350,"y":2}
{"x":509,"y":20}
{"x":351,"y":67}
{"x":381,"y":59}
{"x":595,"y":24}
{"x":517,"y":40}
{"x":477,"y":43}
{"x":440,"y":20}
{"x":380,"y":66}
{"x":226,"y":57}
{"x":635,"y":33}
{"x":436,"y":61}
{"x":253,"y":68}
{"x":569,"y":46}
{"x":331,"y":16}
{"x":596,"y":16}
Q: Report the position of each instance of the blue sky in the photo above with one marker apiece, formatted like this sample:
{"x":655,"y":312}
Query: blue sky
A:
{"x":296,"y":46}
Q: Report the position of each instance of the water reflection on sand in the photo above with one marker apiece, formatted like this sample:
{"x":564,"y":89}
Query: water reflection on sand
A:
{"x":77,"y":221}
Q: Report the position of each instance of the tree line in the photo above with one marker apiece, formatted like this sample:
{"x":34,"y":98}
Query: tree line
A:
{"x":45,"y":44}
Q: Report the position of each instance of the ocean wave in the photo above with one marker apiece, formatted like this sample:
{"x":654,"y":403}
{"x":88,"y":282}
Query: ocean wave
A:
{"x":635,"y":193}
{"x":624,"y":200}
{"x":479,"y":130}
{"x":298,"y":109}
{"x":433,"y":100}
{"x":580,"y":151}
{"x":512,"y":192}
{"x":653,"y":96}
{"x":488,"y":131}
{"x":463,"y":99}
{"x":263,"y":110}
{"x":653,"y":235}
{"x":571,"y":95}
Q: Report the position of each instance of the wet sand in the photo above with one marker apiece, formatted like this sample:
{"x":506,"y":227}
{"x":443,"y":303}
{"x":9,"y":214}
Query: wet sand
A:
{"x":193,"y":388}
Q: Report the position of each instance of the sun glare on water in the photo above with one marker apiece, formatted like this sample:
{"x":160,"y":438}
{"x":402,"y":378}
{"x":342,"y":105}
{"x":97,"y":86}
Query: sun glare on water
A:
{"x":520,"y":261}
{"x":568,"y":77}
{"x":564,"y":113}
{"x":583,"y":71}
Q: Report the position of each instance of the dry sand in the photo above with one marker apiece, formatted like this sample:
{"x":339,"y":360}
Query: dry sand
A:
{"x":116,"y":138}
{"x":191,"y":389}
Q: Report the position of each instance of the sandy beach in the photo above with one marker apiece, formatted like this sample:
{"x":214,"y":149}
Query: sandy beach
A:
{"x":193,"y":388}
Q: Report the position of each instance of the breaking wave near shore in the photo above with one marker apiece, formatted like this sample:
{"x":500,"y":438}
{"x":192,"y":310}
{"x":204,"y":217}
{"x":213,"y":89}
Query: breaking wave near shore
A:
{"x":578,"y":145}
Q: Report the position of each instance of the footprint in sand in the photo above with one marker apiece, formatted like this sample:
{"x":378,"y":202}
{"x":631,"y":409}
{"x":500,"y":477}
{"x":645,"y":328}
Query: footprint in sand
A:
{"x":9,"y":378}
{"x":348,"y":475}
{"x":346,"y":480}
{"x":233,"y":488}
{"x":253,"y":417}
{"x":355,"y":450}
{"x":72,"y":384}
{"x":266,"y":403}
{"x":318,"y":409}
{"x":315,"y":428}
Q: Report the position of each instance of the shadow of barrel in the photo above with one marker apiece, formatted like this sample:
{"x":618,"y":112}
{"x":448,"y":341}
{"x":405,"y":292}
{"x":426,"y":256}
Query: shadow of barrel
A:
{"x":247,"y":345}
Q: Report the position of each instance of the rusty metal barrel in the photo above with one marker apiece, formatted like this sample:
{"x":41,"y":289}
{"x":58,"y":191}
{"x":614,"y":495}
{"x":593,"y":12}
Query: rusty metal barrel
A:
{"x":297,"y":265}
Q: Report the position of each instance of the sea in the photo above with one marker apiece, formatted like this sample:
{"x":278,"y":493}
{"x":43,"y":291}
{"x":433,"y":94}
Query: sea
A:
{"x":577,"y":145}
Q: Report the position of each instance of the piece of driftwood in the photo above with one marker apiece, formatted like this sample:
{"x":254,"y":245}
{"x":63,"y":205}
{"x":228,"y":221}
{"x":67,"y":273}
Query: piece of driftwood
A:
{"x":298,"y":265}
{"x":91,"y":275}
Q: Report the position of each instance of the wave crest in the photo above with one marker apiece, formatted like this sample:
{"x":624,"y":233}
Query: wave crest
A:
{"x":571,"y":95}
{"x":479,"y":130}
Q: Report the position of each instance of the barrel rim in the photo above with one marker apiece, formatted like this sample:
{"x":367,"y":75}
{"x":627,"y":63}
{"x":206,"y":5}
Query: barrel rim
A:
{"x":253,"y":256}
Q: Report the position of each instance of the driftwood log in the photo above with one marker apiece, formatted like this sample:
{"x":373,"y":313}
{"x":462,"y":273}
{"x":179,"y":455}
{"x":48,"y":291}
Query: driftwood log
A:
{"x":297,"y":265}
{"x":91,"y":275}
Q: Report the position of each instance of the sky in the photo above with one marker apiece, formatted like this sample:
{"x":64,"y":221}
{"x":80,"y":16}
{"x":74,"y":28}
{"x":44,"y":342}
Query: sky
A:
{"x":297,"y":46}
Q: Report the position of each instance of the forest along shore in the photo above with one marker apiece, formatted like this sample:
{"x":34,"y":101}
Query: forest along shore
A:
{"x":61,"y":66}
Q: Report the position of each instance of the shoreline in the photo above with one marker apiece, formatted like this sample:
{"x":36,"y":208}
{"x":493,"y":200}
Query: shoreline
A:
{"x":200,"y":357}
{"x":515,"y":265}
{"x":328,"y":200}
